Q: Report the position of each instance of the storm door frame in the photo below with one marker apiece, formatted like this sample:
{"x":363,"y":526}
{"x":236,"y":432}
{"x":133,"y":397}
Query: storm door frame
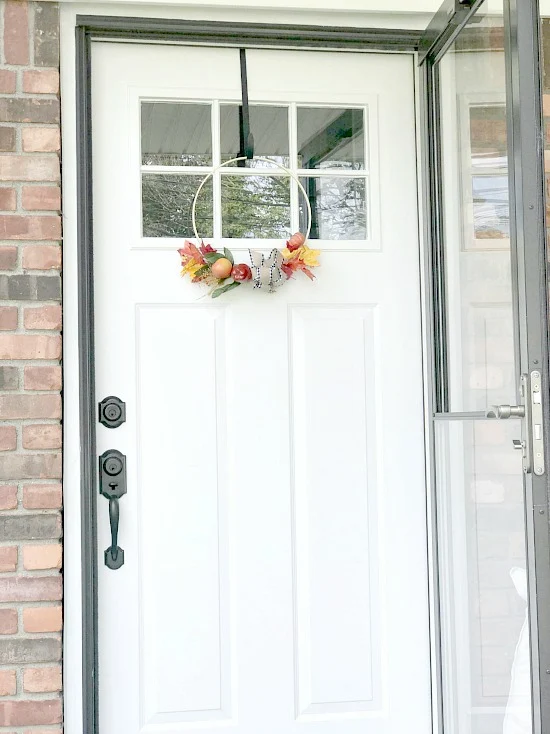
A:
{"x":522,"y":45}
{"x":88,"y":29}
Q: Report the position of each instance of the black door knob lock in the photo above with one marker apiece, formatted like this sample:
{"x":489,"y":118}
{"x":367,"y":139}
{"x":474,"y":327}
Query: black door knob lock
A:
{"x":112,"y":484}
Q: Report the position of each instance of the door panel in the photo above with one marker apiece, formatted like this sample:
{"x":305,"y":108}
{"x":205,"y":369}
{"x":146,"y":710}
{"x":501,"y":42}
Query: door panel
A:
{"x":274,"y":527}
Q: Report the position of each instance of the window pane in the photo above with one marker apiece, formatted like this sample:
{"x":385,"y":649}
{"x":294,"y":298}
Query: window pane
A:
{"x":488,"y":136}
{"x":478,"y":277}
{"x":338,"y":208}
{"x":176,"y":134}
{"x":491,"y":211}
{"x":166,"y":204}
{"x":269,"y":126}
{"x":255,"y":207}
{"x":486,"y":659}
{"x":331,"y":138}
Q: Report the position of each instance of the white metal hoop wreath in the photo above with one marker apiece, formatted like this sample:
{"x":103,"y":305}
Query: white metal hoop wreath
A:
{"x":244,"y":158}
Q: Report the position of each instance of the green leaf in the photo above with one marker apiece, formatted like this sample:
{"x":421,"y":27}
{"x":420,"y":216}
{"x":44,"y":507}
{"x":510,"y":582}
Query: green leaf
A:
{"x":224,"y":289}
{"x":211,"y":257}
{"x":229,"y":255}
{"x":202,"y":271}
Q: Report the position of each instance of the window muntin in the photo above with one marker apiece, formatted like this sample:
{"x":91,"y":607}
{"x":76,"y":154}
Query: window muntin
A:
{"x":330,"y":142}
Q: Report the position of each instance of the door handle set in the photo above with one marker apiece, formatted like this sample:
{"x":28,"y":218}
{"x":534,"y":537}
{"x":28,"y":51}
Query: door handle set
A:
{"x":533,"y":445}
{"x":112,"y":477}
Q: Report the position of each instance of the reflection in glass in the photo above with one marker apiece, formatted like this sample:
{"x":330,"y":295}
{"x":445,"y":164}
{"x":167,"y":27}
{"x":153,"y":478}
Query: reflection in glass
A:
{"x":255,"y":206}
{"x":488,"y":136}
{"x":331,"y":138}
{"x":176,"y":134}
{"x":166,"y":206}
{"x":483,"y":577}
{"x":269,"y":126}
{"x":480,"y":327}
{"x":491,"y":208}
{"x":338,"y":208}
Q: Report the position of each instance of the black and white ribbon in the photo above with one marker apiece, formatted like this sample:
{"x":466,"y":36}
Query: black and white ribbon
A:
{"x":267,"y":272}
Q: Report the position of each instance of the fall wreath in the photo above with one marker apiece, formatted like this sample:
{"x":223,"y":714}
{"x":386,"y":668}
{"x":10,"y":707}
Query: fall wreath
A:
{"x":218,"y":270}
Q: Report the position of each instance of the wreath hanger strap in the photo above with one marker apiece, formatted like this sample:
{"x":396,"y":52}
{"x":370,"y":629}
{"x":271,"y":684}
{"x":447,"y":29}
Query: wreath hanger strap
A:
{"x":246,"y":139}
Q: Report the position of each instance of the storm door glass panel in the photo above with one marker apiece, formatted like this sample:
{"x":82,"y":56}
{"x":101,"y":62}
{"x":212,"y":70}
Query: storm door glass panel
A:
{"x":479,"y":473}
{"x":481,"y":365}
{"x":486,"y":659}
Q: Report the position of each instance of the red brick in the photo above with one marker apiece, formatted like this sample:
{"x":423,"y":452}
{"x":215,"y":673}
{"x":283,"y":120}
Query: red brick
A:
{"x":8,"y":199}
{"x":8,"y":621}
{"x":29,"y":109}
{"x":8,"y":318}
{"x":29,"y":466}
{"x":8,"y":258}
{"x":41,"y":198}
{"x":30,"y":713}
{"x":17,"y":227}
{"x":27,"y":346}
{"x":26,"y":588}
{"x":30,"y":406}
{"x":41,"y":82}
{"x":8,"y":438}
{"x":8,"y":558}
{"x":42,"y":557}
{"x":7,"y":139}
{"x":16,"y":32}
{"x":41,"y":140}
{"x":8,"y":496}
{"x":42,"y":680}
{"x":42,"y":378}
{"x":43,"y":436}
{"x":42,"y":619}
{"x":42,"y":496}
{"x":29,"y":168}
{"x":7,"y":81}
{"x":8,"y":683}
{"x":43,"y":257}
{"x":45,"y":317}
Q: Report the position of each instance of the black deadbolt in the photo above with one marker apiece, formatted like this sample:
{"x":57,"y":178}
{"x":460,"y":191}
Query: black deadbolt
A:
{"x":112,"y":412}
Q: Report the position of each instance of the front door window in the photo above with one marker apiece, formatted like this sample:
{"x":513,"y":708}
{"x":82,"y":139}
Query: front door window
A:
{"x":326,"y":146}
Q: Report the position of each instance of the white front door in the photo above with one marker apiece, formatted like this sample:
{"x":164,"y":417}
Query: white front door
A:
{"x":274,"y":527}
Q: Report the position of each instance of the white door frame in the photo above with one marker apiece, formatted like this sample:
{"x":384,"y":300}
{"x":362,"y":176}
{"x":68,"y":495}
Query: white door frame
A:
{"x":73,"y":379}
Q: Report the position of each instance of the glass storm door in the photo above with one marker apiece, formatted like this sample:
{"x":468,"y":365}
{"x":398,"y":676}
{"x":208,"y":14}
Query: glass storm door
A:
{"x":490,"y":383}
{"x":275,"y":577}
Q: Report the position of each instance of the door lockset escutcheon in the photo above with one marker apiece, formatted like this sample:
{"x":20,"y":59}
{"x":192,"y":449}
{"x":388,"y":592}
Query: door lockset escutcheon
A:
{"x":112,"y":484}
{"x":112,"y":411}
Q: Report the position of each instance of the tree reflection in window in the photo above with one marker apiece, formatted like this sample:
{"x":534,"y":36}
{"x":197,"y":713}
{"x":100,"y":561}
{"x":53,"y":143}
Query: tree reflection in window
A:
{"x":338,"y":208}
{"x":255,"y":207}
{"x":166,"y":205}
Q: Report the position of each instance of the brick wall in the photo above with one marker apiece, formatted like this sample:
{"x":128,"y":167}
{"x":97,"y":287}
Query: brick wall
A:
{"x":30,"y":371}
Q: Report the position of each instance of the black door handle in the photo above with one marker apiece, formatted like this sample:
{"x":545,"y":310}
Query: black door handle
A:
{"x":112,"y":484}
